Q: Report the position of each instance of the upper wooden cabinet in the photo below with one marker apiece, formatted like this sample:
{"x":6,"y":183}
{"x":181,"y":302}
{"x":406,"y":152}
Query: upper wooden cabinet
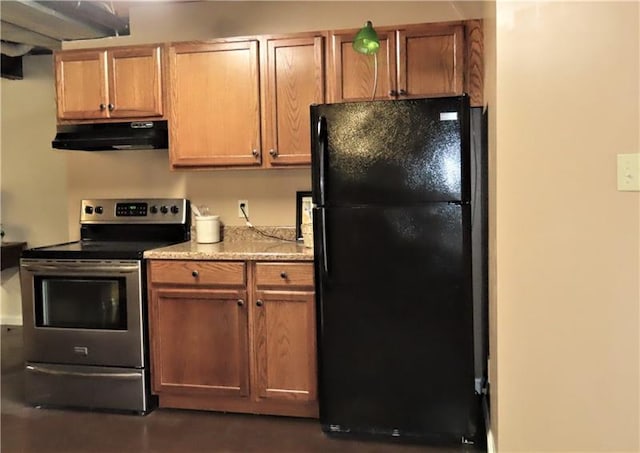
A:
{"x":214,"y":99}
{"x":294,"y":80}
{"x":413,"y":61}
{"x":117,"y":83}
{"x":218,"y":117}
{"x":430,"y":61}
{"x":352,"y":76}
{"x":244,"y":102}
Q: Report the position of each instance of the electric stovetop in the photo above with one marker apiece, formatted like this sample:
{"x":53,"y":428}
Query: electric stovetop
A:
{"x":90,"y":249}
{"x":122,"y":229}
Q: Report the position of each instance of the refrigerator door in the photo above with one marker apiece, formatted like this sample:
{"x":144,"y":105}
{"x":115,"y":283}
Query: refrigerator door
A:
{"x":390,"y":152}
{"x":395,"y":321}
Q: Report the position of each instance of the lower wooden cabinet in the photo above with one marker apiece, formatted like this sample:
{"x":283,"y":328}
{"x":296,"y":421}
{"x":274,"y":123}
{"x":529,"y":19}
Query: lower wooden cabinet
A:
{"x":200,"y":341}
{"x":285,"y":332}
{"x":233,"y":336}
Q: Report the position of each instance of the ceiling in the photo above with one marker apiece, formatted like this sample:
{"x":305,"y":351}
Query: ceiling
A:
{"x":41,"y":26}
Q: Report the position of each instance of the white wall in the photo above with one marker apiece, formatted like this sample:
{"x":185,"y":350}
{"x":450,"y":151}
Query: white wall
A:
{"x":567,"y":243}
{"x":34,"y":178}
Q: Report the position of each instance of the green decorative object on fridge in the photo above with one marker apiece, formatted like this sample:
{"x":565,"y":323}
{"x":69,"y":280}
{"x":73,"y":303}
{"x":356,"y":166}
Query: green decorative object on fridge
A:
{"x":366,"y":41}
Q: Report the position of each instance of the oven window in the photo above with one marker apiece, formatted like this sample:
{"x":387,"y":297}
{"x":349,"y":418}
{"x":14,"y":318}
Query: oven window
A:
{"x":80,"y":302}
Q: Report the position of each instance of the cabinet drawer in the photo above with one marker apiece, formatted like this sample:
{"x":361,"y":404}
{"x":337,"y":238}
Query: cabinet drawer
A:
{"x":284,"y":275}
{"x":198,"y":272}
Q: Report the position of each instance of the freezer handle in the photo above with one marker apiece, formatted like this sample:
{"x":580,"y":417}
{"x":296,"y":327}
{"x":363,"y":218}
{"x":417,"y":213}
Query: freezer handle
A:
{"x":322,"y":151}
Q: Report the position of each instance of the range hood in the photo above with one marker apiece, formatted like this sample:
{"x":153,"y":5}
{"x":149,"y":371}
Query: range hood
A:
{"x":112,"y":136}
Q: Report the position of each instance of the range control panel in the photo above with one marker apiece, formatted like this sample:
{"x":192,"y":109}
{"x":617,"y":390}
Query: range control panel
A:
{"x":147,"y":210}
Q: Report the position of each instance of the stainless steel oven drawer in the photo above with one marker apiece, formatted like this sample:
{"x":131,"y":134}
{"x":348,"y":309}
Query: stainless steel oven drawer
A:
{"x":87,"y":387}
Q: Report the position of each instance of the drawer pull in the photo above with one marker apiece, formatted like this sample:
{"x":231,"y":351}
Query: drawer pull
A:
{"x":259,"y":303}
{"x":195,"y":274}
{"x":284,"y":275}
{"x":240,"y":302}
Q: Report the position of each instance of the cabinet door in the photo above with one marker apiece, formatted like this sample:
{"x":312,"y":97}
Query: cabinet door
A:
{"x":199,"y":341}
{"x":135,"y":82}
{"x":81,"y":84}
{"x":295,"y":79}
{"x":215,"y":104}
{"x":353,"y":75}
{"x":431,"y":61}
{"x":285,"y":342}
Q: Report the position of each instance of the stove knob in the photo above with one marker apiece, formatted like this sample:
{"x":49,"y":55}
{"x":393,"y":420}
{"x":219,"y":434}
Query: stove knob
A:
{"x":174,"y":209}
{"x":153,"y":209}
{"x":99,"y":210}
{"x":88,"y":209}
{"x":164,"y":209}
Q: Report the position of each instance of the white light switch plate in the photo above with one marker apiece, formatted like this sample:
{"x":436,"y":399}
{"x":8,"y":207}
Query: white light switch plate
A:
{"x":629,"y":172}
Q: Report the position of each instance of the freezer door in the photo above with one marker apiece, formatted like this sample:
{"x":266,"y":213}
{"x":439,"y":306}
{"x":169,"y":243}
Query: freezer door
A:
{"x":395,"y":321}
{"x":390,"y":152}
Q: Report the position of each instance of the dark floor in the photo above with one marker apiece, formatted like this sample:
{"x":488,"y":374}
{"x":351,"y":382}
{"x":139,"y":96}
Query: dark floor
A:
{"x":27,"y":429}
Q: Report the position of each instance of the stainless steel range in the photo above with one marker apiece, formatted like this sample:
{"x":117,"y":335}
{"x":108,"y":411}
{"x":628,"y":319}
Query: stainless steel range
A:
{"x":84,"y":306}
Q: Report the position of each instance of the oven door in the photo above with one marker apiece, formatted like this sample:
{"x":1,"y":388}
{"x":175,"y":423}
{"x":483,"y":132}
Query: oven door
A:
{"x":83,"y":312}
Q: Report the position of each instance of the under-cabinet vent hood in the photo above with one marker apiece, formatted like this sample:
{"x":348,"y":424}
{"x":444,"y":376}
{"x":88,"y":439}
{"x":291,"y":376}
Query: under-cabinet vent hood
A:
{"x":112,"y":136}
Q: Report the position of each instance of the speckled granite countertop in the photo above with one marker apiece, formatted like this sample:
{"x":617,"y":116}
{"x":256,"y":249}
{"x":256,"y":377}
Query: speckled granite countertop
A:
{"x":239,"y":244}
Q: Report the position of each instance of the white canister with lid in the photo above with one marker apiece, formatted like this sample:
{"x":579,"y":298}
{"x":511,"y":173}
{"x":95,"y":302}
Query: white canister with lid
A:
{"x":207,"y":229}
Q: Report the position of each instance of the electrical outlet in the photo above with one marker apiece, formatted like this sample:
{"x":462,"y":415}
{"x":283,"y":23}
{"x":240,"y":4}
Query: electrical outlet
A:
{"x":243,"y":204}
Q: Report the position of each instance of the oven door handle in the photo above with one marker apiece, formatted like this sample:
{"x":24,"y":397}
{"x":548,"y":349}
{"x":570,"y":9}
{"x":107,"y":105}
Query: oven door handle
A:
{"x":81,"y":268}
{"x":41,"y":370}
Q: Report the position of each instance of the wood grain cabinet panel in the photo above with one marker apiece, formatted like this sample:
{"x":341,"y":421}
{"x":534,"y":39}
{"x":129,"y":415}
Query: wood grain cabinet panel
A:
{"x":104,"y":84}
{"x":295,"y":79}
{"x":431,"y":60}
{"x":285,"y":345}
{"x":81,"y":84}
{"x":215,"y":104}
{"x":135,"y":82}
{"x":200,"y":342}
{"x":284,"y":275}
{"x":192,"y":272}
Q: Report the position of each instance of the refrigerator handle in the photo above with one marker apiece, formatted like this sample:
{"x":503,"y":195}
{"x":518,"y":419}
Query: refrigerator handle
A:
{"x":325,"y":251}
{"x":322,"y":151}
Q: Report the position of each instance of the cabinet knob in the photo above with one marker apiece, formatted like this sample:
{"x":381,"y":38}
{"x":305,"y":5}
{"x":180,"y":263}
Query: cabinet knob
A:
{"x":103,"y":106}
{"x":259,"y":303}
{"x":283,"y":274}
{"x":273,"y":153}
{"x":195,"y":273}
{"x":255,"y":153}
{"x":402,"y":92}
{"x":240,"y":302}
{"x":111,"y":107}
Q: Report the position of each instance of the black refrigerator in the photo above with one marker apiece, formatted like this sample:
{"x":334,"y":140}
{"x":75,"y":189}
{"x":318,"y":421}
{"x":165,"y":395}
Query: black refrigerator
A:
{"x":401,"y":347}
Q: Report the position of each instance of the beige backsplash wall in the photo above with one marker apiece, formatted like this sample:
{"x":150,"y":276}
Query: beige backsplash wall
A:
{"x":271,"y":193}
